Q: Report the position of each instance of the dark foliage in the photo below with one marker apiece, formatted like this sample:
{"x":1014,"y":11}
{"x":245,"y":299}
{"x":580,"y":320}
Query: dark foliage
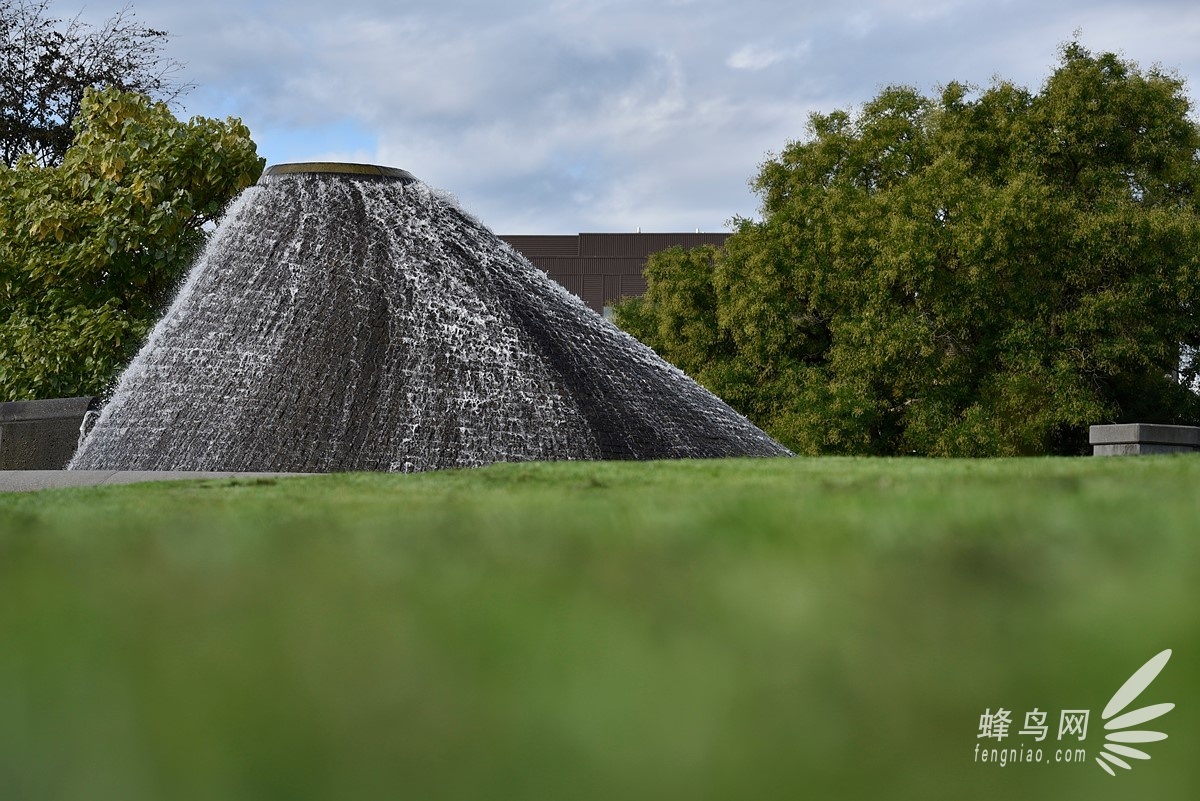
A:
{"x":977,"y":273}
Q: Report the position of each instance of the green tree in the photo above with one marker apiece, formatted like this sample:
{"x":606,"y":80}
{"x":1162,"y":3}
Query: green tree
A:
{"x":969,"y":274}
{"x":91,"y":249}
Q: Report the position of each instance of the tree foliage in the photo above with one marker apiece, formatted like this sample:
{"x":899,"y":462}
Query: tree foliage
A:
{"x":968,"y":274}
{"x":46,"y":65}
{"x":91,"y":249}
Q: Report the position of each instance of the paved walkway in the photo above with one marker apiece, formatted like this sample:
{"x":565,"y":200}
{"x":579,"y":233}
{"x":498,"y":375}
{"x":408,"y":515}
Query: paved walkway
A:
{"x":30,"y":480}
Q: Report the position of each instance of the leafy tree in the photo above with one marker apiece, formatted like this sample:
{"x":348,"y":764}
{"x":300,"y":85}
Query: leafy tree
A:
{"x":92,"y":249}
{"x":967,"y":274}
{"x":46,"y":65}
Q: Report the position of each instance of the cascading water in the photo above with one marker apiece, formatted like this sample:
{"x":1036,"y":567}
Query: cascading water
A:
{"x":346,"y":317}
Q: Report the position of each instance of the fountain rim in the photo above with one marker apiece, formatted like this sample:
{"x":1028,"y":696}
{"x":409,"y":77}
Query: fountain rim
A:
{"x":338,"y":168}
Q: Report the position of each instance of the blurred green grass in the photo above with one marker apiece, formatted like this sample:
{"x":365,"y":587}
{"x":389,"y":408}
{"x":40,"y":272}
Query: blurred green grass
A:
{"x":735,"y":629}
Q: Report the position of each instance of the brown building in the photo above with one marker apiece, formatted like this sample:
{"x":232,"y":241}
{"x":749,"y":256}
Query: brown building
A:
{"x":602,"y":268}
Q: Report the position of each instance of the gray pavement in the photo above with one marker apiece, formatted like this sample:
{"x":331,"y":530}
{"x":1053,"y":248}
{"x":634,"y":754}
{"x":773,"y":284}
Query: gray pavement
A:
{"x":32,"y":480}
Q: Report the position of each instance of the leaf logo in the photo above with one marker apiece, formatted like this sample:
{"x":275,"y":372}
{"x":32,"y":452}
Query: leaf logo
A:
{"x":1115,"y":748}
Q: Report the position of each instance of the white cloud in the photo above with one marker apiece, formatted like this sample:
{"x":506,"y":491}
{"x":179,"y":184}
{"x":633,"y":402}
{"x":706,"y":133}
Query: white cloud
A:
{"x":566,"y":115}
{"x":924,"y":9}
{"x":861,"y":24}
{"x":759,"y":57}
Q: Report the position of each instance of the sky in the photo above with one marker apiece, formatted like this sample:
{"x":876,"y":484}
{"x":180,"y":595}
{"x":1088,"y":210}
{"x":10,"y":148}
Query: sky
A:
{"x":569,"y":116}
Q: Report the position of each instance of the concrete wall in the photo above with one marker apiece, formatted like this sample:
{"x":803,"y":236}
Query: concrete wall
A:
{"x":40,"y":434}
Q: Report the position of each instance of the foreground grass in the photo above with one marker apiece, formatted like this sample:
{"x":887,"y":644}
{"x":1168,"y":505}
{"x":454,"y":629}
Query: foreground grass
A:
{"x":825,"y":628}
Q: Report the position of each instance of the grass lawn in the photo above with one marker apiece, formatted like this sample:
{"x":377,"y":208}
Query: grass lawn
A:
{"x":747,"y":629}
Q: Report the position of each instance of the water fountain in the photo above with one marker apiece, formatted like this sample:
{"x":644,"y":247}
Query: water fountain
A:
{"x":350,"y":317}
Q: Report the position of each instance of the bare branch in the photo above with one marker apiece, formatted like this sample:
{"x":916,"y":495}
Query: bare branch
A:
{"x":47,"y":63}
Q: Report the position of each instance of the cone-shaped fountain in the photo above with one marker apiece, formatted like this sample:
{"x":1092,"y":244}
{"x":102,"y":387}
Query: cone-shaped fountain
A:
{"x":348,"y":317}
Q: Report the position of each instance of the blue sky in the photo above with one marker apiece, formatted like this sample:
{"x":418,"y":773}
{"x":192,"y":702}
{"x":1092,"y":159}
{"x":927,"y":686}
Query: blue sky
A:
{"x":607,"y":115}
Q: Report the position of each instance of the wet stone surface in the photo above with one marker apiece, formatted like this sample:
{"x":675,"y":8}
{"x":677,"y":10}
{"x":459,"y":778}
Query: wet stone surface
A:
{"x":340,"y":322}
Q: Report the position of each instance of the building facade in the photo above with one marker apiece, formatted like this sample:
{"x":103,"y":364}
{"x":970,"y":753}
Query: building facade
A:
{"x":602,"y":268}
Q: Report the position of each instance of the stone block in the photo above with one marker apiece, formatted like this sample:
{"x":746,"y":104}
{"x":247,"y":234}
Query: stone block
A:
{"x":1139,"y":439}
{"x":40,"y":434}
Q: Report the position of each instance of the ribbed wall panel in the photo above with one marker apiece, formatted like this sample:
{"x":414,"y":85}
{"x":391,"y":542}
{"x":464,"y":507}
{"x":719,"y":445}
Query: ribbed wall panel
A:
{"x":642,"y":245}
{"x":612,"y":288}
{"x":572,"y":283}
{"x":602,"y":267}
{"x":632,"y":286}
{"x":593,"y":291}
{"x":582,"y":266}
{"x":532,"y":246}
